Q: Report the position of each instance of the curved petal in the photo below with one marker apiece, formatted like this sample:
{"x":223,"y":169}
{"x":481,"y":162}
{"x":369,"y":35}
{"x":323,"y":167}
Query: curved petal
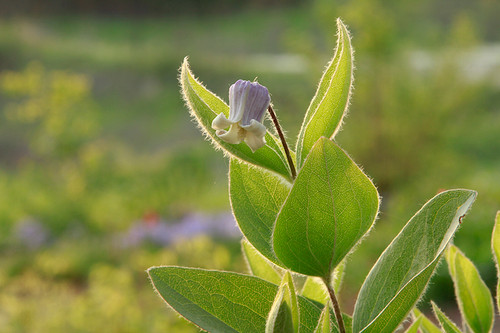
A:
{"x":237,"y":99}
{"x":235,"y":134}
{"x":257,"y":101}
{"x":255,"y":135}
{"x":221,"y":122}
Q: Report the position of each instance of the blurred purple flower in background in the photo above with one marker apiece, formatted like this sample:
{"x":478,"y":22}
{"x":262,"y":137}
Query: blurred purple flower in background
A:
{"x":152,"y":228}
{"x":31,"y":233}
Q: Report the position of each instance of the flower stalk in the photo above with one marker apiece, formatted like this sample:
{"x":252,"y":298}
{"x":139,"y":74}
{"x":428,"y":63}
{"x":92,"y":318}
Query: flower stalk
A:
{"x":336,"y":307}
{"x":283,"y":141}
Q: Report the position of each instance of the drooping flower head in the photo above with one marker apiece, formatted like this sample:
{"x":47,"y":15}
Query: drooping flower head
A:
{"x":248,"y":102}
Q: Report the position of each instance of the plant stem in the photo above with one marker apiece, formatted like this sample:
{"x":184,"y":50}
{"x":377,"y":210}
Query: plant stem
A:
{"x":335,"y":303}
{"x":283,"y":141}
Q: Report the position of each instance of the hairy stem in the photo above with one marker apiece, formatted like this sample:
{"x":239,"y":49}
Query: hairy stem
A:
{"x":336,"y":307}
{"x":283,"y":141}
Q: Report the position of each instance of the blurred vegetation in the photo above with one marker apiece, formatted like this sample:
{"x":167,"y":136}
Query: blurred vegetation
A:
{"x":94,"y":135}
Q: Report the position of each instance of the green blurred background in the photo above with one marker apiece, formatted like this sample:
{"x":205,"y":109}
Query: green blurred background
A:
{"x":103,"y":174}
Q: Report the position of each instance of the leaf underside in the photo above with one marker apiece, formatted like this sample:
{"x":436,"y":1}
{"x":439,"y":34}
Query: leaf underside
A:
{"x":400,"y":275}
{"x":219,"y":301}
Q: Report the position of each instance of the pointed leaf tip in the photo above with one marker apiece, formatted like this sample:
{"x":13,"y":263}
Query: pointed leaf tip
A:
{"x":473,"y":296}
{"x":329,"y":105}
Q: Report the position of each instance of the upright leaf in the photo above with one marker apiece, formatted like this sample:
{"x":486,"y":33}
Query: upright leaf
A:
{"x":400,"y":275}
{"x":205,"y":106}
{"x":256,"y":198}
{"x":495,"y":246}
{"x":426,"y":325}
{"x":331,"y":206}
{"x":290,"y":299}
{"x":473,"y":296}
{"x":329,"y":105}
{"x":279,"y":319}
{"x":325,"y":324}
{"x":413,"y":328}
{"x":224,"y":301}
{"x":446,"y":324}
{"x":258,"y":264}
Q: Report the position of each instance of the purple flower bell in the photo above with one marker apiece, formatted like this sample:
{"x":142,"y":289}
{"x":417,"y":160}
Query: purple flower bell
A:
{"x":248,"y":102}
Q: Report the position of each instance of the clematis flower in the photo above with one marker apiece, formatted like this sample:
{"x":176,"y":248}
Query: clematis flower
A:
{"x":248,"y":102}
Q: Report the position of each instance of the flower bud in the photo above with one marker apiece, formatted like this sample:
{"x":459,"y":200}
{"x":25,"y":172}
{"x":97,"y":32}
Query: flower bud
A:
{"x":248,"y":102}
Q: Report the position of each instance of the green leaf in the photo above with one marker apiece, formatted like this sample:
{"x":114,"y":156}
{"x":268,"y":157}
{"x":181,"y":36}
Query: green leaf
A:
{"x":446,"y":324}
{"x":426,"y":325}
{"x":256,"y":198}
{"x":219,"y":301}
{"x":329,"y":105}
{"x":400,"y":275}
{"x":414,"y":326}
{"x":331,"y":206}
{"x":473,"y":296}
{"x":284,"y":314}
{"x":204,"y":106}
{"x":291,"y":299}
{"x":258,"y":264}
{"x":280,"y":317}
{"x":495,"y":247}
{"x":315,"y":289}
{"x":325,"y":325}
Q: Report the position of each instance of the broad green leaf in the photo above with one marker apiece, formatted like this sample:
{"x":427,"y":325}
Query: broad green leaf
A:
{"x":495,"y":246}
{"x":315,"y":289}
{"x":258,"y":264}
{"x":256,"y":198}
{"x":400,"y":275}
{"x":414,"y":326}
{"x":219,"y":301}
{"x":426,"y":325}
{"x":473,"y":296}
{"x":446,"y":324}
{"x":205,"y":106}
{"x":280,"y":317}
{"x":325,"y":324}
{"x":331,"y":206}
{"x":329,"y":105}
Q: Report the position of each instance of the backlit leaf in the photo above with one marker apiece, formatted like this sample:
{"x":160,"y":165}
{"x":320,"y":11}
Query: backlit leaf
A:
{"x":400,"y":275}
{"x":446,"y":324}
{"x":256,"y":198}
{"x":329,"y":105}
{"x":331,"y":206}
{"x":219,"y":301}
{"x":473,"y":296}
{"x":258,"y":264}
